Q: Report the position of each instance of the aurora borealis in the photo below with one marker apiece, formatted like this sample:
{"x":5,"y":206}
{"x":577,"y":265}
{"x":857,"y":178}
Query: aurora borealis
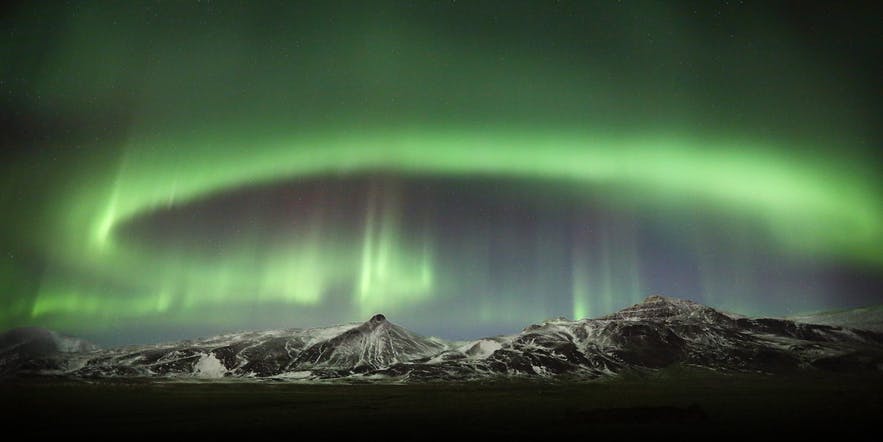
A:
{"x":184,"y":168}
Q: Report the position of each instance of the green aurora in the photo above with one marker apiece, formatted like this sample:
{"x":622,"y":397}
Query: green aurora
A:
{"x":150,"y":110}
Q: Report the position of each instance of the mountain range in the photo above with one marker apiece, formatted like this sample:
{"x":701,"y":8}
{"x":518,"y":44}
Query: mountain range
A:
{"x":658,"y":333}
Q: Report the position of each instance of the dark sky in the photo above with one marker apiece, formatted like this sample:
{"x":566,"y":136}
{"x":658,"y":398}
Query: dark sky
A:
{"x":173,"y":169}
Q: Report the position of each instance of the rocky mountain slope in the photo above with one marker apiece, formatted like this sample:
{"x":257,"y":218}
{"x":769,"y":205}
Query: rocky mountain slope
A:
{"x":865,"y":318}
{"x":34,"y":348}
{"x":660,"y":332}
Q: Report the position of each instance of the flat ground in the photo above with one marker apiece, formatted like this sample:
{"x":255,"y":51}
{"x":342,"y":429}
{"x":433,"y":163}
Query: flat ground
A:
{"x":699,"y":405}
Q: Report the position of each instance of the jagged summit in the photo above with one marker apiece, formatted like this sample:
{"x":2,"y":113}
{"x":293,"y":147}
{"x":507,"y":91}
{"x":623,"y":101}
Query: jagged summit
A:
{"x":658,"y":307}
{"x":660,"y":298}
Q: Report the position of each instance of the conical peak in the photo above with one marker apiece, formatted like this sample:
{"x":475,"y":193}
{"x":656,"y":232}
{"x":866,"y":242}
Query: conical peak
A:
{"x":377,"y":322}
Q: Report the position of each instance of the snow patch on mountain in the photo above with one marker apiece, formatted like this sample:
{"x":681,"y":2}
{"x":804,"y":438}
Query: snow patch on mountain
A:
{"x":208,"y":366}
{"x":482,"y":348}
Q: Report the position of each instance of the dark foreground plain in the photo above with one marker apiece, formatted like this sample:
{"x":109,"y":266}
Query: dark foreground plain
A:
{"x":687,"y":404}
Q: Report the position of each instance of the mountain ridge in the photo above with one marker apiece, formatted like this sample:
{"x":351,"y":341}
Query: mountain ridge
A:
{"x":657,"y":333}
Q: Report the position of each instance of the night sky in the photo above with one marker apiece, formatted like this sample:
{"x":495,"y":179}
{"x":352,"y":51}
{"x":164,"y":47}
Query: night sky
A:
{"x":179,"y":169}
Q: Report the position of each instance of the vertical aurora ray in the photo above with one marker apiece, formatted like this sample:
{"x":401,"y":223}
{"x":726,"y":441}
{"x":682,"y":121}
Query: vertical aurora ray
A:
{"x":579,"y":277}
{"x":392,"y":271}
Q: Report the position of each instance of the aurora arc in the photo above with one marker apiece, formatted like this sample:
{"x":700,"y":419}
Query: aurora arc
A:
{"x":839,"y":215}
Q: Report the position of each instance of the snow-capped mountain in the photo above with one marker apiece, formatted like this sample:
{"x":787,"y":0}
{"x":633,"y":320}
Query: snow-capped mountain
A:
{"x":374,"y":344}
{"x":656,"y":333}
